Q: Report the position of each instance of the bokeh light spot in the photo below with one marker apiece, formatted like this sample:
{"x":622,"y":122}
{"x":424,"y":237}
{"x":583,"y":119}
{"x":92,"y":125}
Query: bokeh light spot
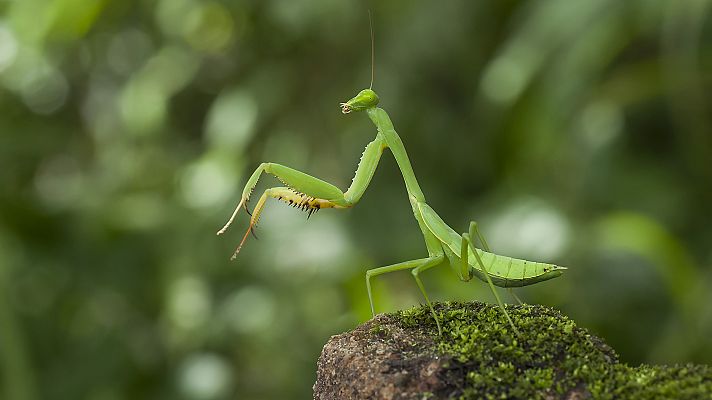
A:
{"x":42,"y":87}
{"x":8,"y":46}
{"x":46,"y":94}
{"x":529,"y":229}
{"x":207,"y":183}
{"x":139,"y":211}
{"x":504,"y":80}
{"x":231,"y":120}
{"x":144,"y":100}
{"x":128,"y":50}
{"x":321,"y":242}
{"x":250,"y":310}
{"x":143,"y":107}
{"x":189,"y":302}
{"x":601,"y":122}
{"x":59,"y":182}
{"x":205,"y":376}
{"x":172,"y":15}
{"x":171,"y":69}
{"x":209,"y":27}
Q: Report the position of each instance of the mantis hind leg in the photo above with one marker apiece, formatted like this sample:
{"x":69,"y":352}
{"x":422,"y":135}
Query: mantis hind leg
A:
{"x":485,"y":246}
{"x":417,"y":266}
{"x":467,"y":237}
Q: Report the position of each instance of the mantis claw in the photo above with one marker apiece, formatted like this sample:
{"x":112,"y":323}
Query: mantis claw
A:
{"x":292,"y":197}
{"x":232,"y":217}
{"x":239,"y":247}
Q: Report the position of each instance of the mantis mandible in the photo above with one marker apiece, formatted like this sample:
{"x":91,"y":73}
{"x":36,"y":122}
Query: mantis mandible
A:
{"x":444,"y":245}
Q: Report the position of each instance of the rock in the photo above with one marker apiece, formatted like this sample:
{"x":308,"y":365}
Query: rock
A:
{"x":401,"y":356}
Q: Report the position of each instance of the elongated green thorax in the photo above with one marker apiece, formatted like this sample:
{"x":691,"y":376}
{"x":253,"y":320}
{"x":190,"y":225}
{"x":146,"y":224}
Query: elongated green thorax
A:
{"x":385,"y":127}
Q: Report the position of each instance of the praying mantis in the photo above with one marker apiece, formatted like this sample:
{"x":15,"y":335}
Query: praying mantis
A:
{"x":444,"y":245}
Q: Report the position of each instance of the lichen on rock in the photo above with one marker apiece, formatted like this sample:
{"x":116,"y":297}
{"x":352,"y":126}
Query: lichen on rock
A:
{"x":478,"y":356}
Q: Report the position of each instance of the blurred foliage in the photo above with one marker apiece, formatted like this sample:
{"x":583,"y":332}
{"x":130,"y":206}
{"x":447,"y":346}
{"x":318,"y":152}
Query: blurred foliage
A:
{"x":575,"y":132}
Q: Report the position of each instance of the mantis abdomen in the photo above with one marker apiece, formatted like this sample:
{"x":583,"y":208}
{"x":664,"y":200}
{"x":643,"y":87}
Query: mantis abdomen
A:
{"x":513,"y":272}
{"x":504,"y":271}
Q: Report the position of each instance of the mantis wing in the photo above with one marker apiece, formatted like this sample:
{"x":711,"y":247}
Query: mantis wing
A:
{"x":504,"y":271}
{"x":440,"y":229}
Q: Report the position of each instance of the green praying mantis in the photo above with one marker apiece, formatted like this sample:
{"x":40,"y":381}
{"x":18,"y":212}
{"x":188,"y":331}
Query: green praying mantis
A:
{"x":444,"y":245}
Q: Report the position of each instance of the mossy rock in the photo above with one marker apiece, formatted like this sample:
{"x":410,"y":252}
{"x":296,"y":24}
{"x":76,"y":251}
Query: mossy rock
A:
{"x":478,"y":356}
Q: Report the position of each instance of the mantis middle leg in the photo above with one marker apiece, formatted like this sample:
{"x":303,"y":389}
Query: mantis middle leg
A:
{"x":417,"y":266}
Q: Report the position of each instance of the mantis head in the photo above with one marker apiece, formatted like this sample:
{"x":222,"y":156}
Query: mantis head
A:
{"x":365,"y":99}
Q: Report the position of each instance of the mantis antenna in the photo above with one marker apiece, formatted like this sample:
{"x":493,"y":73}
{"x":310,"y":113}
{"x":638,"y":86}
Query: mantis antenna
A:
{"x":373,"y":52}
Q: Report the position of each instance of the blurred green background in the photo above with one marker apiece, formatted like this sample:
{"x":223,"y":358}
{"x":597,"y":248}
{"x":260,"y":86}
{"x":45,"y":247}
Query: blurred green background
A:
{"x":575,"y":132}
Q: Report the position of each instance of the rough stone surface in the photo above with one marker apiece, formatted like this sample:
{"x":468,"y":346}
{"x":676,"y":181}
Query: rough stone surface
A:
{"x":368,"y":363}
{"x":401,"y":356}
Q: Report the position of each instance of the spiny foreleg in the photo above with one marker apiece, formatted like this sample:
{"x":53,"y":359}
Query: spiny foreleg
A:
{"x":315,"y":187}
{"x":296,"y":180}
{"x":290,"y":196}
{"x":311,"y":191}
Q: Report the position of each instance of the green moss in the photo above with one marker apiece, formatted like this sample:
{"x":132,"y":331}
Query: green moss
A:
{"x":550,"y":357}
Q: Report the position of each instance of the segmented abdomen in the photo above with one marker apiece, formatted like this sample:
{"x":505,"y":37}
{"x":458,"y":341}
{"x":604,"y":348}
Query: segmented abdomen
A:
{"x":512,"y":272}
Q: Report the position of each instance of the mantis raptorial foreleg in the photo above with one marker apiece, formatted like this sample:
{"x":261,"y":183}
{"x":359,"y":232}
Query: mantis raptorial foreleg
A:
{"x":305,"y":191}
{"x":286,"y":195}
{"x":417,"y":266}
{"x":467,"y":237}
{"x":291,"y":177}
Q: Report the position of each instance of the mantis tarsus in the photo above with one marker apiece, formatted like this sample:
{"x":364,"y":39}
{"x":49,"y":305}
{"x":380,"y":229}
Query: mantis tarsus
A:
{"x":444,"y":245}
